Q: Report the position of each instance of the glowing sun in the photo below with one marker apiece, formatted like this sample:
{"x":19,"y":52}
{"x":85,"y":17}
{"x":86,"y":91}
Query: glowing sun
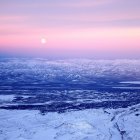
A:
{"x":43,"y":40}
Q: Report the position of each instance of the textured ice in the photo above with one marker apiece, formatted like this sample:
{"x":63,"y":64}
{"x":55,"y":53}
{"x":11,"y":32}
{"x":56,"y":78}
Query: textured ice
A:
{"x":130,"y":82}
{"x":6,"y":97}
{"x":93,"y":124}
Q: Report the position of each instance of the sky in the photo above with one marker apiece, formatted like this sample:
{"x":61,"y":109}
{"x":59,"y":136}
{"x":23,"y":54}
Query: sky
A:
{"x":100,"y":29}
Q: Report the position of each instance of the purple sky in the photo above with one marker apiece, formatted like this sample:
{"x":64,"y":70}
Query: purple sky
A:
{"x":75,"y":28}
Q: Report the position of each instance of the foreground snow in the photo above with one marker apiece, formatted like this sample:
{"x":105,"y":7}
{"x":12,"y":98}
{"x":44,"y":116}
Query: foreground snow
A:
{"x":93,"y":124}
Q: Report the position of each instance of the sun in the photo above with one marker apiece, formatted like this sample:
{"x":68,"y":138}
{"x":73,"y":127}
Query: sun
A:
{"x":43,"y":40}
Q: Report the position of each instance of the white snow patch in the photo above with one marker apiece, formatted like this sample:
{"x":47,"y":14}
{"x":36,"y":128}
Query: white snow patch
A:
{"x":130,"y":82}
{"x":127,"y":87}
{"x":92,"y":124}
{"x":6,"y":97}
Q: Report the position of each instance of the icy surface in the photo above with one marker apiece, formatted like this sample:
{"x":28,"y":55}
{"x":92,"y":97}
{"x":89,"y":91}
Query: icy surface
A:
{"x":130,"y":82}
{"x":92,"y":124}
{"x":6,"y":97}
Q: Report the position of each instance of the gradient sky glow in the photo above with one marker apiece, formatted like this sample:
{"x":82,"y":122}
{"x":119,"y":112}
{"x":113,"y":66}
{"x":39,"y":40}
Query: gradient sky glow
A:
{"x":104,"y":29}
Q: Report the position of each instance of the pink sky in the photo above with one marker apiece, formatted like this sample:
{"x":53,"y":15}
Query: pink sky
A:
{"x":99,"y":29}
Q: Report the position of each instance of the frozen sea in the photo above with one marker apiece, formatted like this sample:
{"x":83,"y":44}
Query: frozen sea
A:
{"x":81,"y":99}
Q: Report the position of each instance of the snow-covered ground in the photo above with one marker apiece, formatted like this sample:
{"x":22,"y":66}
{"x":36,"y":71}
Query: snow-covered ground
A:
{"x":92,"y":124}
{"x":81,"y":99}
{"x":74,"y":70}
{"x":130,"y":82}
{"x":127,"y":87}
{"x":6,"y":97}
